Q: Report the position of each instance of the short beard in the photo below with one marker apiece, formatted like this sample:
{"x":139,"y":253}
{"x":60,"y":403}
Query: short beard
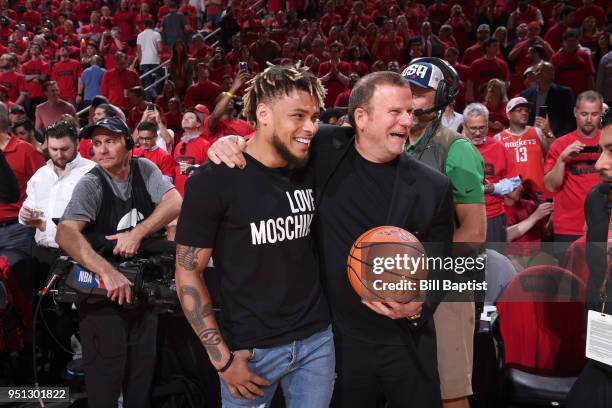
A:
{"x":67,"y":161}
{"x":283,"y":151}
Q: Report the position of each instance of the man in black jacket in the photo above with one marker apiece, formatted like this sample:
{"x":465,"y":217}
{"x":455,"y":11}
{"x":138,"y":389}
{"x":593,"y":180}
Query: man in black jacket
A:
{"x":594,"y":386}
{"x":559,"y":99}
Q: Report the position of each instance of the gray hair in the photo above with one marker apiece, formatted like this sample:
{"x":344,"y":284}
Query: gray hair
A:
{"x":474,"y":110}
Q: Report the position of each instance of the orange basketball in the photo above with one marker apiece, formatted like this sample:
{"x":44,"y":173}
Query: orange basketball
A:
{"x":387,"y":263}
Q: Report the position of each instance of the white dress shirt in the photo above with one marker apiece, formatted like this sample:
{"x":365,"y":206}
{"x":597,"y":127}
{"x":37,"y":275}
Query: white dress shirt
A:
{"x":50,"y":193}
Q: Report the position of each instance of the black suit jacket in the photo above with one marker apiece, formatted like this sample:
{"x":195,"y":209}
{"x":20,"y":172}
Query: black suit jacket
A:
{"x":422,"y":201}
{"x":560,"y":102}
{"x":597,"y":215}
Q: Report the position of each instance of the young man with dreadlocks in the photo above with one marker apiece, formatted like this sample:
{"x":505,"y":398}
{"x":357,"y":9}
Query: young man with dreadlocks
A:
{"x":274,"y":324}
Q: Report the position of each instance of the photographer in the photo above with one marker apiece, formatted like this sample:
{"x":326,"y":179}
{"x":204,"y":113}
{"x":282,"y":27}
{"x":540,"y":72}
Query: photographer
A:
{"x":123,"y":200}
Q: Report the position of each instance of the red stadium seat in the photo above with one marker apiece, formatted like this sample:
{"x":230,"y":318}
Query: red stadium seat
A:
{"x":541,"y":328}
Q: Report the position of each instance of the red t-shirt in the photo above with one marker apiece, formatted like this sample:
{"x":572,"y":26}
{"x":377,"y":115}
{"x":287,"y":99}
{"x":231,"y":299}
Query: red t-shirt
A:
{"x":592,"y":10}
{"x":527,"y":17}
{"x":554,"y":36}
{"x":334,"y":86}
{"x":342,"y":99}
{"x":205,"y":94}
{"x":24,"y":160}
{"x":34,"y":87}
{"x":360,"y":68}
{"x":498,"y":165}
{"x":386,"y":51}
{"x":460,"y":33}
{"x":580,"y":177}
{"x":125,"y":21}
{"x":14,"y":83}
{"x":140,"y":19}
{"x":115,"y":84}
{"x":162,"y":159}
{"x":484,"y":69}
{"x":31,"y":19}
{"x":67,"y":74}
{"x":527,"y":152}
{"x":572,"y":69}
{"x":226,"y":127}
{"x":472,"y":54}
{"x":196,"y":152}
{"x":328,"y":20}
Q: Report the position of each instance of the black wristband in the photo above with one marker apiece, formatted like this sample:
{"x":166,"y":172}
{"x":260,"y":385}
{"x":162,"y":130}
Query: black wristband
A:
{"x":228,"y":364}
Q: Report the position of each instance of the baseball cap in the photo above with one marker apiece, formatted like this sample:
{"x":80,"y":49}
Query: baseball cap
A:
{"x":517,"y":102}
{"x":202,"y":109}
{"x":112,"y":124}
{"x":423,"y":74}
{"x":533,"y":24}
{"x":16,"y":108}
{"x":483,"y":27}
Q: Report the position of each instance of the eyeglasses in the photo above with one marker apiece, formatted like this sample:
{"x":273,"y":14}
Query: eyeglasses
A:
{"x":183,"y":148}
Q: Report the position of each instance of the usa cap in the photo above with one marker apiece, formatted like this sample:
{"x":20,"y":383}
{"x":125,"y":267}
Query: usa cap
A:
{"x":424,"y":75}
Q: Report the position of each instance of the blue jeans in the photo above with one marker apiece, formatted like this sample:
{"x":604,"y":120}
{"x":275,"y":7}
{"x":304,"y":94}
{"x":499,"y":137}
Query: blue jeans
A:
{"x":304,"y":368}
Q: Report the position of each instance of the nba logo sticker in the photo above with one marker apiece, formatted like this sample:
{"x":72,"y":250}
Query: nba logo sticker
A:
{"x":86,"y":279}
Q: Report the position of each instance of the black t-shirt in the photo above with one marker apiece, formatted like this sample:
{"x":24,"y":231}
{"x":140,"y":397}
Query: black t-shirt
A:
{"x":257,"y":221}
{"x":357,"y":198}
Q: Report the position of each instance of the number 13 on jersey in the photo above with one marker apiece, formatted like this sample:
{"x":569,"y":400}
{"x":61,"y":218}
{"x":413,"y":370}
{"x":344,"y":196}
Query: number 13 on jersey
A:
{"x":521,"y":154}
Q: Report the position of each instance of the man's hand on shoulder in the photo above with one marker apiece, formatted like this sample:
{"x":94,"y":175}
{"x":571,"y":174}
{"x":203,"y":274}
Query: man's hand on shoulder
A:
{"x":228,"y":150}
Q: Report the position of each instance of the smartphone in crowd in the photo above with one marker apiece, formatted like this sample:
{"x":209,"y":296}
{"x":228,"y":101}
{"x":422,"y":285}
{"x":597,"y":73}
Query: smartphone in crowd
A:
{"x":543,"y":111}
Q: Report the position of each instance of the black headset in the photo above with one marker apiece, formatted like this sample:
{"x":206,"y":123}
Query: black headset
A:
{"x":447,"y":89}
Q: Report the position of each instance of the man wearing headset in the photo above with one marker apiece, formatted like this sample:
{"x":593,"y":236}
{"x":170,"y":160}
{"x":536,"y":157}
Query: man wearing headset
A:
{"x":434,"y":85}
{"x":120,"y":200}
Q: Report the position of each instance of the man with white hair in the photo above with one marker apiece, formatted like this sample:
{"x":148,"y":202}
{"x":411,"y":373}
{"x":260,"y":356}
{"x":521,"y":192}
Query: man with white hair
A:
{"x":501,"y":177}
{"x":527,"y":145}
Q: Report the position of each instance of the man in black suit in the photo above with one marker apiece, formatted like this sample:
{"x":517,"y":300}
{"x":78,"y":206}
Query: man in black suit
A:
{"x":594,"y":385}
{"x":559,"y":99}
{"x":362,"y":181}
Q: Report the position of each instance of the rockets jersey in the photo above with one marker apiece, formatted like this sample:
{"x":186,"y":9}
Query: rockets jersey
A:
{"x":527,"y":152}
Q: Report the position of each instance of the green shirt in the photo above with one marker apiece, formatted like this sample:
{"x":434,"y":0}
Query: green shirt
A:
{"x":465,"y":168}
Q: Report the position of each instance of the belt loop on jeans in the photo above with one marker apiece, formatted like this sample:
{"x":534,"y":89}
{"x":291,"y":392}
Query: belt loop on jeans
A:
{"x":9,"y":222}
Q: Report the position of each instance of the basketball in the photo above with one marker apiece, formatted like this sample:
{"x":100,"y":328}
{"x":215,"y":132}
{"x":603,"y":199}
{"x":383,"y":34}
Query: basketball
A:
{"x":387,"y":263}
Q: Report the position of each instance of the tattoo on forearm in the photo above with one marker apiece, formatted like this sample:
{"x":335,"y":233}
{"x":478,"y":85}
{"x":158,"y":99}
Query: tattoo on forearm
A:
{"x":187,"y":257}
{"x":210,"y":337}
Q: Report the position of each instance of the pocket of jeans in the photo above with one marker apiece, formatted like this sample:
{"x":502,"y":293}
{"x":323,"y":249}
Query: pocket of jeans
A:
{"x":252,"y":359}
